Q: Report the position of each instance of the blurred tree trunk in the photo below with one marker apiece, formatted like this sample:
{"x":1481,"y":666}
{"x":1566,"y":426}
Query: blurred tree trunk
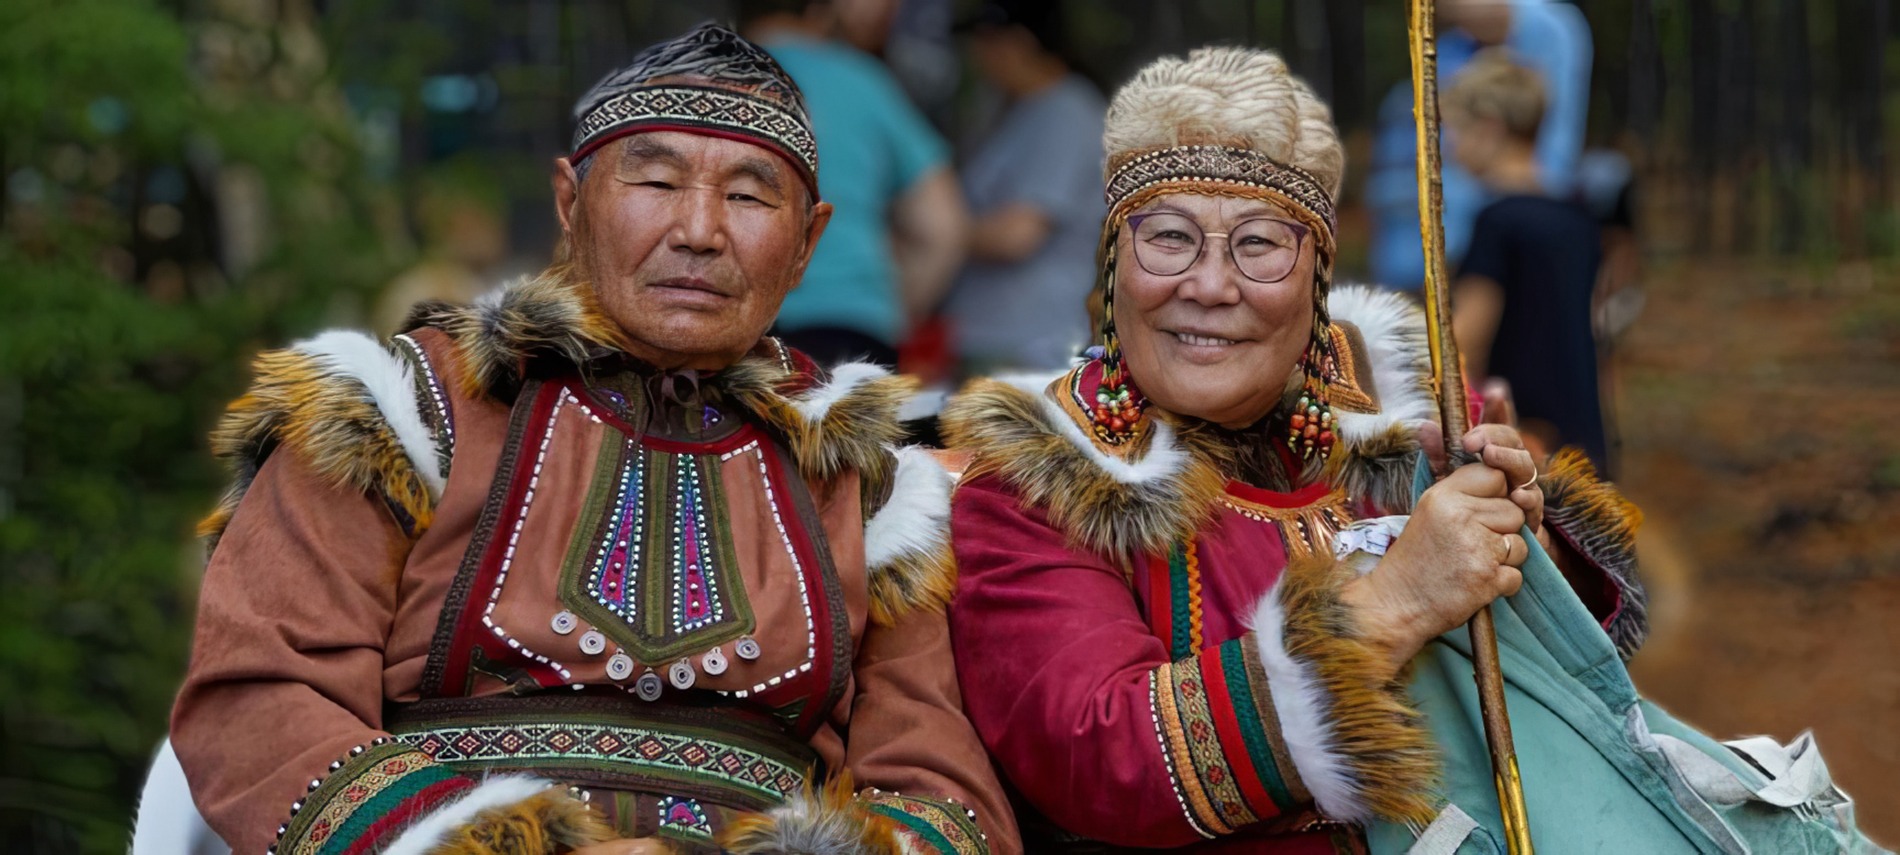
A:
{"x":1704,"y":95}
{"x":1791,"y":147}
{"x":1859,"y":43}
{"x":1346,"y":31}
{"x":1645,"y":75}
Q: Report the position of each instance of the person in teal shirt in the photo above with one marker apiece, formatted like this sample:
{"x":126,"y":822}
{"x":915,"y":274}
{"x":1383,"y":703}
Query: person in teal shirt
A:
{"x":898,"y":233}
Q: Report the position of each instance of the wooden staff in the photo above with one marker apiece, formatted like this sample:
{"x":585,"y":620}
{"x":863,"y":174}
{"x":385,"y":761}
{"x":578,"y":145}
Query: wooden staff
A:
{"x":1448,"y":376}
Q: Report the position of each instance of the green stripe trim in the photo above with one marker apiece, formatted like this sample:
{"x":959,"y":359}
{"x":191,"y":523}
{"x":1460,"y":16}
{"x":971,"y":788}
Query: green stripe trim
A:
{"x":1183,"y":645}
{"x":380,"y":804}
{"x":917,"y":824}
{"x":1233,"y":656}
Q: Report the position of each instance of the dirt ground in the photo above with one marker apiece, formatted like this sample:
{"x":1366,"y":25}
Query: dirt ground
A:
{"x":1757,"y":406}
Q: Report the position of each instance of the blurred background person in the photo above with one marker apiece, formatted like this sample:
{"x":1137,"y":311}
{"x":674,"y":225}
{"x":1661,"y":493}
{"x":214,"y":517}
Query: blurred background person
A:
{"x":1033,"y":188}
{"x":899,"y":231}
{"x":464,"y":244}
{"x":1522,"y":298}
{"x":1548,"y":35}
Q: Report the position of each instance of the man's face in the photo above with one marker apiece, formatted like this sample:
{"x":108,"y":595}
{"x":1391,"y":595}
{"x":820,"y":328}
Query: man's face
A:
{"x":691,"y":241}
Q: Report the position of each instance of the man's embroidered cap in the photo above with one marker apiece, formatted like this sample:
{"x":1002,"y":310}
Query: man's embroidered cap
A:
{"x":709,"y":81}
{"x":1226,"y":121}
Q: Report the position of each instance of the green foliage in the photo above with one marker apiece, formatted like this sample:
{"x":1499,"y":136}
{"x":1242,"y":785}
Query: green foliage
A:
{"x":111,"y":373}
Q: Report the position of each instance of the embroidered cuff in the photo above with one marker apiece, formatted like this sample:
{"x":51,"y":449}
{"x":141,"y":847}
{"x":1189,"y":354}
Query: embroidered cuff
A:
{"x":907,"y":542}
{"x":387,"y":797}
{"x":367,"y":799}
{"x":1224,"y":748}
{"x":1352,"y":737}
{"x":1600,"y":524}
{"x":934,"y":825}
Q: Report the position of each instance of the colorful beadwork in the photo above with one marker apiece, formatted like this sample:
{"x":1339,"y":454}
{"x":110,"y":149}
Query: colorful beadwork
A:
{"x":622,"y":546}
{"x":651,"y":564}
{"x":947,"y":827}
{"x":1306,"y":529}
{"x":366,"y":798}
{"x":1214,"y":720}
{"x":684,"y":818}
{"x":1107,"y":397}
{"x":651,"y":753}
{"x":695,"y":596}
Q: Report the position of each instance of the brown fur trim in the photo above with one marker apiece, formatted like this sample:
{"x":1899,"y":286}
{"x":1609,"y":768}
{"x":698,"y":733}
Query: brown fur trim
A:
{"x":1014,"y":433}
{"x":1599,"y":522}
{"x":854,"y":431}
{"x":912,"y":582}
{"x":1383,"y":741}
{"x":1378,"y":468}
{"x":330,"y":421}
{"x":549,"y":823}
{"x":827,"y":821}
{"x":553,"y":314}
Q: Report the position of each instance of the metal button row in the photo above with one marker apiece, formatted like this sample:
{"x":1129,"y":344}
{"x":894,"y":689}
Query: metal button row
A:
{"x":649,"y":687}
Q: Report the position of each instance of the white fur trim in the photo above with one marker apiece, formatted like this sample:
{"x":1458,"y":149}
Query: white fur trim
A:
{"x":1396,"y":345}
{"x":168,"y":822}
{"x":1164,"y":459}
{"x":916,"y":519}
{"x":844,"y":379}
{"x":495,"y":792}
{"x":391,"y":385}
{"x":1301,"y":705}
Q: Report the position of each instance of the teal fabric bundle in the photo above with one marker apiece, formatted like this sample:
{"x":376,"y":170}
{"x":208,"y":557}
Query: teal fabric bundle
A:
{"x":1603,"y":770}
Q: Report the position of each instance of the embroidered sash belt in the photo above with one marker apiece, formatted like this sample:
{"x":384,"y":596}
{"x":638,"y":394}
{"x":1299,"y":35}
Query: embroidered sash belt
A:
{"x":723,"y":755}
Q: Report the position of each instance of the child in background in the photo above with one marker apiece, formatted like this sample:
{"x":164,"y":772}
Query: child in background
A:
{"x":1522,"y":298}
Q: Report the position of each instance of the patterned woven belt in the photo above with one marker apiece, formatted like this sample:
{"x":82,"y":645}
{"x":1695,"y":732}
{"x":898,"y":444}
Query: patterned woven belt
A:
{"x":723,"y":755}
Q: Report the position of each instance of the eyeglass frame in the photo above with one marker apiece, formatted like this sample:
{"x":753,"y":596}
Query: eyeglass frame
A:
{"x":1301,"y":232}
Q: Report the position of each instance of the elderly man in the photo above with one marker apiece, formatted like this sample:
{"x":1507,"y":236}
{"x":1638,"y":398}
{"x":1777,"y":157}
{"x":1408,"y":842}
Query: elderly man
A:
{"x":593,"y":561}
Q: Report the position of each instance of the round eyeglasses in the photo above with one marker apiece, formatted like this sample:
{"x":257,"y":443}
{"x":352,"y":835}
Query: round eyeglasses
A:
{"x":1264,"y":249}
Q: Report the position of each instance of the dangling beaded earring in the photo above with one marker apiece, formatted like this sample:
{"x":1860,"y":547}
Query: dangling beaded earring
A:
{"x":1117,"y":408}
{"x":1310,"y":428}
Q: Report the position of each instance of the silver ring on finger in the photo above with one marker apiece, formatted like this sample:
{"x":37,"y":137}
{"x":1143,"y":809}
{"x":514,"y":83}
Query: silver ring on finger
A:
{"x":1533,"y":481}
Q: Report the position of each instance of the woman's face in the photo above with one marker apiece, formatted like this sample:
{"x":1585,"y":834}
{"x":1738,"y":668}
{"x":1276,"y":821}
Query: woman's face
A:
{"x":1209,"y":341}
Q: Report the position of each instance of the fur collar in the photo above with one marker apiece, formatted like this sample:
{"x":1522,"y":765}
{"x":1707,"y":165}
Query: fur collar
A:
{"x":551,"y":322}
{"x":350,"y":407}
{"x":1121,"y":502}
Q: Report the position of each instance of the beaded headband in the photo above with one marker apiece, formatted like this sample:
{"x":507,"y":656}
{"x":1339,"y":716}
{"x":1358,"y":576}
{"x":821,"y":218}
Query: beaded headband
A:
{"x":701,"y":109}
{"x":1219,"y":168}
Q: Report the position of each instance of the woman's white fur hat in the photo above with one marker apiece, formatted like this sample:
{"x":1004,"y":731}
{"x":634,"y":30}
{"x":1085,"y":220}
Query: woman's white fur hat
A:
{"x":1228,"y":96}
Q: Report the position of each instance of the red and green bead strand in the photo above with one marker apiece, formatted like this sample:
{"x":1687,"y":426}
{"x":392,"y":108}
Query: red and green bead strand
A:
{"x":1118,"y":405}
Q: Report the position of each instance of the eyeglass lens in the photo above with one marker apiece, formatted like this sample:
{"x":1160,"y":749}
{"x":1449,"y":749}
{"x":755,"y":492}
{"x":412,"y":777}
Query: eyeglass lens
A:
{"x":1265,"y":250}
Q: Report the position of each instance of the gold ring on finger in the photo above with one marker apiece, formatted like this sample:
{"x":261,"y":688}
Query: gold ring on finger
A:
{"x":1534,"y":475}
{"x":1508,"y":546}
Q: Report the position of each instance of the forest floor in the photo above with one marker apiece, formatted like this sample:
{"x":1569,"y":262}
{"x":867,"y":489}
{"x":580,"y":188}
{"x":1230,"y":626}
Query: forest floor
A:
{"x":1758,"y":407}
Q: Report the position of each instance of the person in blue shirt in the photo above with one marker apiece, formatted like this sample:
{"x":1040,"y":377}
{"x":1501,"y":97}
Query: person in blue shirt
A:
{"x":898,"y":233}
{"x":1035,"y":187}
{"x":1548,"y":36}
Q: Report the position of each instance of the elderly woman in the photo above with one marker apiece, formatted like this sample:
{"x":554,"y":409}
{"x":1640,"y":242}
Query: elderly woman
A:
{"x":1154,"y":637}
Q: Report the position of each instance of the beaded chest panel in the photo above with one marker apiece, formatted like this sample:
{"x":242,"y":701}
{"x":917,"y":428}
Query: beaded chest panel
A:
{"x":651,"y":563}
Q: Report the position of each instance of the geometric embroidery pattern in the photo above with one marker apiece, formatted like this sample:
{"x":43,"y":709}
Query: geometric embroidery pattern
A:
{"x":1220,"y":740}
{"x":1225,"y":164}
{"x":367,"y":798}
{"x":948,"y":828}
{"x":651,"y":562}
{"x":709,"y":108}
{"x":655,"y":753}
